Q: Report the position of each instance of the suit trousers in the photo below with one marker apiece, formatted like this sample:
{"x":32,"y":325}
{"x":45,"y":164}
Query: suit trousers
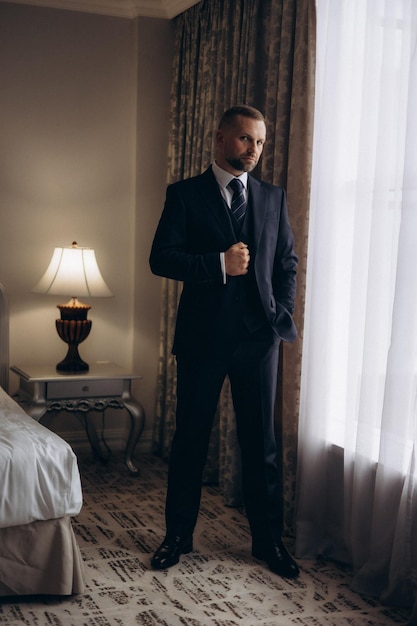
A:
{"x":251,"y":362}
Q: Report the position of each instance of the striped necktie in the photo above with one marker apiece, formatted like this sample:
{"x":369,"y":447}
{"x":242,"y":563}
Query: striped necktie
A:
{"x":238,"y":206}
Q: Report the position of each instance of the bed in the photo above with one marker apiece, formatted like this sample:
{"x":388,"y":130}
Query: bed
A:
{"x":40,"y":493}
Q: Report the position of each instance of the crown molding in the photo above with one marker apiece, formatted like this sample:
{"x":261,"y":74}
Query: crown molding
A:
{"x":164,"y":9}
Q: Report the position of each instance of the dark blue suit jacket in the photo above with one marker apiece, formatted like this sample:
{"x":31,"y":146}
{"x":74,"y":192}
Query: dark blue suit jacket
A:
{"x":195,"y":227}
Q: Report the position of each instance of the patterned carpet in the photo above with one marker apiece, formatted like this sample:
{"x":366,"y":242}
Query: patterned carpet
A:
{"x":219,"y":584}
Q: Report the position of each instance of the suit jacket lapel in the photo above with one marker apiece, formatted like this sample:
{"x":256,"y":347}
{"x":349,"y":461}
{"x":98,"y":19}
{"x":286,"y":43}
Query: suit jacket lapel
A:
{"x":257,"y":203}
{"x":213,"y":203}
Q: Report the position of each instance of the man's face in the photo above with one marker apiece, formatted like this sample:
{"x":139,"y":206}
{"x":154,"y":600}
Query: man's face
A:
{"x":240,"y":146}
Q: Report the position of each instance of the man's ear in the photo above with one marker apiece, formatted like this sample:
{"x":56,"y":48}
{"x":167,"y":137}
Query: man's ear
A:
{"x":219,"y":137}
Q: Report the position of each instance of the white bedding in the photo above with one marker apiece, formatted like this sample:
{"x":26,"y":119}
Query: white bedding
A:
{"x":38,"y":470}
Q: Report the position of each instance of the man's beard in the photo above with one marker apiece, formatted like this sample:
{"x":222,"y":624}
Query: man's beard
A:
{"x":241,"y":166}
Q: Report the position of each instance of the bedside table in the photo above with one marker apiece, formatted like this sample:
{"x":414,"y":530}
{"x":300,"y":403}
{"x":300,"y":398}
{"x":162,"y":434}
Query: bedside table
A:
{"x":105,"y":385}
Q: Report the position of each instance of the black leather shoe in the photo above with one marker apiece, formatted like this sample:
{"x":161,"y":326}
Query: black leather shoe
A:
{"x":279,"y":560}
{"x":169,"y":551}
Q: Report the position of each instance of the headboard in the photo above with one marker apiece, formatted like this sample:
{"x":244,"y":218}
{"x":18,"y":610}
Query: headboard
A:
{"x":4,"y":339}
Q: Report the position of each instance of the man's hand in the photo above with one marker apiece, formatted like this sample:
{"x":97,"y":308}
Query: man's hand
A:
{"x":236,"y":259}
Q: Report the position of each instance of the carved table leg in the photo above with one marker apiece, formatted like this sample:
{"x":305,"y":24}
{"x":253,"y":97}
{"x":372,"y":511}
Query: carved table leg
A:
{"x":137,"y":415}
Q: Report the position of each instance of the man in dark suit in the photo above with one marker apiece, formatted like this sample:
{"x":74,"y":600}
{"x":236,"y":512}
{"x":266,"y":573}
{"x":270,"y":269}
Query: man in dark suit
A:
{"x":233,"y":248}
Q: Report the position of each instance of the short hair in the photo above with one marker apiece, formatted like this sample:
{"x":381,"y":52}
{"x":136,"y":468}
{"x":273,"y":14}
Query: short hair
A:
{"x":228,"y":116}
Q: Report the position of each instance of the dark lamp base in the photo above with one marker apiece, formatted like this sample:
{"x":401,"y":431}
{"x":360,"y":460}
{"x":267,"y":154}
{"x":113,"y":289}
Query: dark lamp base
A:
{"x":73,"y":332}
{"x":72,"y":362}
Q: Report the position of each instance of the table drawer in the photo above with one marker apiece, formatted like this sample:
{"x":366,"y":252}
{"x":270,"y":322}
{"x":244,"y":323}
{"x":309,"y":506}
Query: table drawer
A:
{"x":84,"y":389}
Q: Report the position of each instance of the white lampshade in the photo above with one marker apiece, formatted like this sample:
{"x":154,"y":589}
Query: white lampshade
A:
{"x":74,"y":272}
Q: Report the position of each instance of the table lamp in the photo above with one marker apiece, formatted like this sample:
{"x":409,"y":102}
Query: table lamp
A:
{"x":73,"y":272}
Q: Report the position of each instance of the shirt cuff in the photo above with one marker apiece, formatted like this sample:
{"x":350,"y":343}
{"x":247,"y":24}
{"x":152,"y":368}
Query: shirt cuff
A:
{"x":223,"y":266}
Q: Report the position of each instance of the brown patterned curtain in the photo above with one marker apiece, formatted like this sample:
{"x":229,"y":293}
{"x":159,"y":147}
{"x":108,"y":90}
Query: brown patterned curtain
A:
{"x":261,"y":53}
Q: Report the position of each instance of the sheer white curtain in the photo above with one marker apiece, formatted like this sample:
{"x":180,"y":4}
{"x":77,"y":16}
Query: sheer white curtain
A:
{"x":357,"y":494}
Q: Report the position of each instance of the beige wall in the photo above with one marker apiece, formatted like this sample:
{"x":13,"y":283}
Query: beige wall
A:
{"x":84,"y":105}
